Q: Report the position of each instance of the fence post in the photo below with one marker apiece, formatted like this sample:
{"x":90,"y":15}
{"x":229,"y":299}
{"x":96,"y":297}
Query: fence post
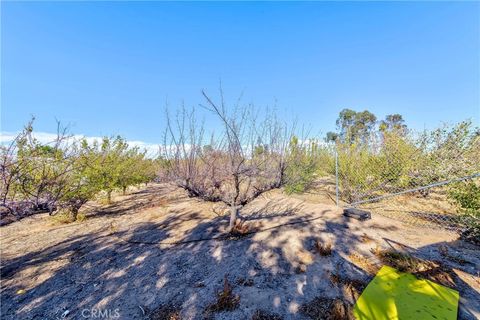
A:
{"x":336,"y":174}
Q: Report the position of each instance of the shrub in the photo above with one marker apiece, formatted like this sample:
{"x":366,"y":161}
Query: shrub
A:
{"x":302,"y":166}
{"x":466,"y":196}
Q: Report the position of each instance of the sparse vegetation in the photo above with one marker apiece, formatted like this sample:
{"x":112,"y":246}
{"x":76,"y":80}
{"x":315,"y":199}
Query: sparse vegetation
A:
{"x":324,"y":249}
{"x":402,"y":261}
{"x":466,"y":195}
{"x":265,"y":315}
{"x":322,"y":308}
{"x":226,"y":299}
{"x":238,"y":169}
{"x":167,"y":312}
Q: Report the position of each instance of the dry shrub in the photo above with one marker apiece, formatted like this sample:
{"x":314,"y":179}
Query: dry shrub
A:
{"x":402,"y":261}
{"x":351,"y":287}
{"x":323,"y":249}
{"x":242,"y":228}
{"x":265,"y":315}
{"x":363,"y":263}
{"x":438,"y":274}
{"x":321,"y":308}
{"x":64,"y":217}
{"x":226,"y":299}
{"x":245,"y":282}
{"x":166,"y":312}
{"x":425,"y":269}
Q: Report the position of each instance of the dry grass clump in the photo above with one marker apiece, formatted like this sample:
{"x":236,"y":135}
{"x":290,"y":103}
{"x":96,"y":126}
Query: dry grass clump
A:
{"x":246,"y":282}
{"x":321,"y":308}
{"x":439,"y":274}
{"x":431,"y":270}
{"x":265,"y":315}
{"x":166,"y":312}
{"x":324,"y":249}
{"x":64,"y":218}
{"x":363,"y":263}
{"x":226,"y":299}
{"x":352,"y":288}
{"x":242,"y":228}
{"x":402,"y":261}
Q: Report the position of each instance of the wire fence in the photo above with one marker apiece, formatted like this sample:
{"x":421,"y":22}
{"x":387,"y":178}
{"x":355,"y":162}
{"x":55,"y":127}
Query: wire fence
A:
{"x":416,"y":181}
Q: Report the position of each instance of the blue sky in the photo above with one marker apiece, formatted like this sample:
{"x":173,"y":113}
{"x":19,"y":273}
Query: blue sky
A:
{"x":108,"y":67}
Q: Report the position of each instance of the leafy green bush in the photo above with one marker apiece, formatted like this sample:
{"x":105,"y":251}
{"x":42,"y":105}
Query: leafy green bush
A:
{"x":466,"y":196}
{"x":358,"y":171}
{"x":302,"y":166}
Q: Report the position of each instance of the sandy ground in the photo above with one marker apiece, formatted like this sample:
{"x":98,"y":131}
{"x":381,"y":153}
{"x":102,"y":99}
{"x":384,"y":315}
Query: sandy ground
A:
{"x":156,"y":249}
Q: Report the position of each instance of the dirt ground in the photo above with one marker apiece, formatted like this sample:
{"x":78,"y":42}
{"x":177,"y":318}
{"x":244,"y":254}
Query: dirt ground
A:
{"x":158,"y":254}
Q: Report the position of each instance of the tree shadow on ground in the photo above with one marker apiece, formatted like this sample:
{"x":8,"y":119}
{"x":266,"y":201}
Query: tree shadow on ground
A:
{"x":136,"y":271}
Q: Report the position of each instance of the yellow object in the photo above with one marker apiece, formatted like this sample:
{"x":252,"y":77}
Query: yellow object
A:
{"x":21,"y":291}
{"x":395,"y":295}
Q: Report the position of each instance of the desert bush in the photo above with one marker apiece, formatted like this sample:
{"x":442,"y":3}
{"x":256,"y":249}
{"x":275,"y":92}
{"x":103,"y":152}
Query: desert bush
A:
{"x":448,"y":152}
{"x":358,"y":174}
{"x":302,"y":166}
{"x":395,"y":160}
{"x":466,"y":196}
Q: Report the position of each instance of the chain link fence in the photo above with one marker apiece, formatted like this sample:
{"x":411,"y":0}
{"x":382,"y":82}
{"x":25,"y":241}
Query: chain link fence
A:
{"x":428,"y":179}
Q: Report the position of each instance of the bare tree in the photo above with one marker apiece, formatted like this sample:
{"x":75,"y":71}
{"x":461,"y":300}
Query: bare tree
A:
{"x":247,"y":158}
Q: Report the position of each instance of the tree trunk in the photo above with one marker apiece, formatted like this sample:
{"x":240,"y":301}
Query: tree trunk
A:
{"x":124,"y":190}
{"x":109,"y":197}
{"x":233,"y":217}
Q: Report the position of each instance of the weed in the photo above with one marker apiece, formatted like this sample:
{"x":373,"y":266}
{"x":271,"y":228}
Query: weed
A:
{"x":431,"y":270}
{"x":363,"y":263}
{"x":323,"y":249}
{"x":265,"y":315}
{"x":226,"y":299}
{"x":113,"y":228}
{"x":439,"y":274}
{"x":245,"y":282}
{"x":351,"y":287}
{"x":402,"y":261}
{"x":165,"y":312}
{"x":241,"y":228}
{"x":321,"y":308}
{"x":64,"y":217}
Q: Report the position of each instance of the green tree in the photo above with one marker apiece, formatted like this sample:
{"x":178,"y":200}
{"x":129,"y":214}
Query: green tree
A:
{"x":355,"y":126}
{"x":393,"y":123}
